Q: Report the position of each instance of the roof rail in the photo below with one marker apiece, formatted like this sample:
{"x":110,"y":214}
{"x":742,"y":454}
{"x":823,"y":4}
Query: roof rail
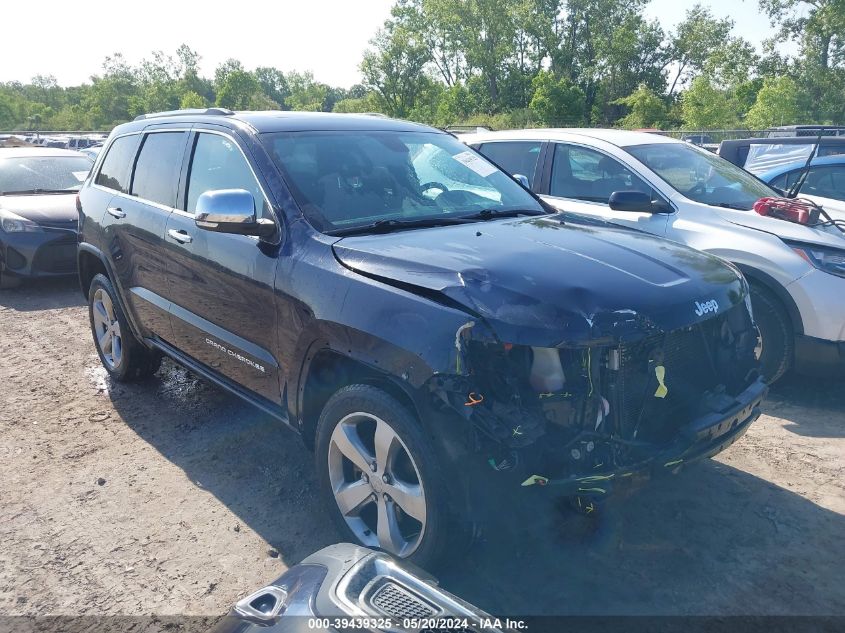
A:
{"x":186,"y":112}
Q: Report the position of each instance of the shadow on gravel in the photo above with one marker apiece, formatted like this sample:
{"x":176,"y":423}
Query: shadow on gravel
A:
{"x":43,"y":294}
{"x":253,"y":464}
{"x":712,"y":540}
{"x":814,"y":407}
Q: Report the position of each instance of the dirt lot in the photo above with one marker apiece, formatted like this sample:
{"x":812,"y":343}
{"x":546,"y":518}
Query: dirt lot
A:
{"x":172,"y":497}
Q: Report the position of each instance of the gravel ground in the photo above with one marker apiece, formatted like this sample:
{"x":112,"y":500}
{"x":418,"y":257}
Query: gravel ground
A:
{"x":172,"y":497}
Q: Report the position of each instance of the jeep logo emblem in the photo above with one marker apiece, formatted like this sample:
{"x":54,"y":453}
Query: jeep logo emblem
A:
{"x":708,"y":306}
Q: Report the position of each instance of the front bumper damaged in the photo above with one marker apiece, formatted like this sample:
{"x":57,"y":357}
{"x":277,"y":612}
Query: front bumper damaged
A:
{"x":703,"y":437}
{"x":583,"y":420}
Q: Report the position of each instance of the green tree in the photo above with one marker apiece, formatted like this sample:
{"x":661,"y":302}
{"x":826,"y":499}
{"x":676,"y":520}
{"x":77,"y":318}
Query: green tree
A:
{"x":111,"y":97}
{"x":456,"y":104}
{"x":607,"y":49}
{"x":557,"y":101}
{"x":817,"y":25}
{"x":695,"y":40}
{"x":273,"y":83}
{"x":645,"y":109}
{"x":367,"y":103}
{"x":235,"y":86}
{"x":394,"y":69}
{"x":192,"y":100}
{"x":305,"y":93}
{"x":776,"y":104}
{"x":706,"y":107}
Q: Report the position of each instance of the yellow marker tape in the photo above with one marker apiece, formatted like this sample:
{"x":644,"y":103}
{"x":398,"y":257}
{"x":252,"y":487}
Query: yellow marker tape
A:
{"x":660,"y":372}
{"x":535,"y":479}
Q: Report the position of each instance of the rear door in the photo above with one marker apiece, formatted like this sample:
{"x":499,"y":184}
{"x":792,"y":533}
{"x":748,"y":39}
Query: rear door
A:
{"x":580,"y":179}
{"x":223,"y":307}
{"x":135,"y":220}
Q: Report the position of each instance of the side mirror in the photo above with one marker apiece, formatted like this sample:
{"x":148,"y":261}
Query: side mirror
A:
{"x":636,"y":201}
{"x":523,"y":180}
{"x":231,"y":211}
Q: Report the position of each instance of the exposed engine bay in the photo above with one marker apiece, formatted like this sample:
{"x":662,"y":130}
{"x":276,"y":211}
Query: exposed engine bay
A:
{"x":579,"y":416}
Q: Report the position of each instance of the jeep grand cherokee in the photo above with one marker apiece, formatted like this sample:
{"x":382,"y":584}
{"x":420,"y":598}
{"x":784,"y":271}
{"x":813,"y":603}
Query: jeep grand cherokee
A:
{"x":410,"y":310}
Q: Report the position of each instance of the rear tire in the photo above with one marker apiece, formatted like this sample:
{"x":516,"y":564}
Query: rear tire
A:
{"x":124,"y":357}
{"x":775,"y":333}
{"x":401,"y":505}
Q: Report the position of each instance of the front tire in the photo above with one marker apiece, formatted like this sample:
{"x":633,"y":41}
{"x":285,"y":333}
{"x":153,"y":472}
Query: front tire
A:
{"x":124,"y":357}
{"x":381,"y":477}
{"x":775,"y":333}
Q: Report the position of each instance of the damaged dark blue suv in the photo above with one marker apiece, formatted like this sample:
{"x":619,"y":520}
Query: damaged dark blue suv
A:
{"x":412,"y":311}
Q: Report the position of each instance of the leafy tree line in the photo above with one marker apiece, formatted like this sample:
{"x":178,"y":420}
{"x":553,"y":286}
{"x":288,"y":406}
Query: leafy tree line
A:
{"x":162,"y":82}
{"x":504,"y":63}
{"x":601,"y":62}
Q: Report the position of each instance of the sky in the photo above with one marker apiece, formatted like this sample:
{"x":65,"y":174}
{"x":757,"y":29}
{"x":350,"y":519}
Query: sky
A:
{"x":328,"y":37}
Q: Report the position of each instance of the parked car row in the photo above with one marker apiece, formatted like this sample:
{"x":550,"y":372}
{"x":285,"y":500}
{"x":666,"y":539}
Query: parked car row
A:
{"x":673,"y":189}
{"x":77,"y":141}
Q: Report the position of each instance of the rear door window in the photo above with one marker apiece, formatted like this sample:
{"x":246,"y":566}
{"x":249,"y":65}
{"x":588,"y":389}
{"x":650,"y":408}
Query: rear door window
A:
{"x":117,"y":165}
{"x":157,"y":169}
{"x":515,"y":157}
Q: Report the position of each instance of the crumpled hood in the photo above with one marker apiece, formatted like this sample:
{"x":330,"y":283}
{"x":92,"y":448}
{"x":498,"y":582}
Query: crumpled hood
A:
{"x":42,"y":208}
{"x":538,"y":281}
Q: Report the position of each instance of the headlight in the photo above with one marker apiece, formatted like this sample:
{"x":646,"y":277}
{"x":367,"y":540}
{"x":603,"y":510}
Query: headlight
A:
{"x":13,"y":223}
{"x":830,"y":260}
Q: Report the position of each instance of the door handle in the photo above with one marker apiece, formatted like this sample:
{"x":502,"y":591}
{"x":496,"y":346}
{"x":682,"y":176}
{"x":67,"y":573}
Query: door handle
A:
{"x":180,"y":236}
{"x":116,"y":212}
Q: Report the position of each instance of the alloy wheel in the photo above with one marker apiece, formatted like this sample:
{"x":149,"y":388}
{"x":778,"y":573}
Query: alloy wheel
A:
{"x":377,"y":484}
{"x":107,"y":329}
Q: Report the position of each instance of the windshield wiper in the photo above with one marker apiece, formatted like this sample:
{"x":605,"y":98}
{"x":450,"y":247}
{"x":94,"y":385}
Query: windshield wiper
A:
{"x":732,"y":205}
{"x":28,"y":192}
{"x":388,"y":225}
{"x":492,"y":214}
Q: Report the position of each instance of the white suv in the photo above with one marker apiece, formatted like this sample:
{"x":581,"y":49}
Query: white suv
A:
{"x":676,"y":190}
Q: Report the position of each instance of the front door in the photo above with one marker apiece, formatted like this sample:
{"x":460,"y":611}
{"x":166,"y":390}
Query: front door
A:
{"x":581,"y":180}
{"x":223,"y":309}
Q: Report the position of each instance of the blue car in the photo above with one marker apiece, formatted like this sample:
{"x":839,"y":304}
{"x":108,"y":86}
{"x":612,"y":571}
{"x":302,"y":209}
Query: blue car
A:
{"x":824,"y":185}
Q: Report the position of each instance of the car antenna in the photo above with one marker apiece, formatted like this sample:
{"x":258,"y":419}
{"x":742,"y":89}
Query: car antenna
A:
{"x":796,"y":187}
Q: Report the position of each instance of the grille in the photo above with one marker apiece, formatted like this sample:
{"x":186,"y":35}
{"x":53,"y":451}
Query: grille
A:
{"x":398,"y":602}
{"x":687,"y":356}
{"x":58,"y":256}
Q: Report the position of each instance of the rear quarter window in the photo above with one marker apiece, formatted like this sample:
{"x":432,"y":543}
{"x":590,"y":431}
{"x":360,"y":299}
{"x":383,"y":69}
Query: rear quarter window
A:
{"x":117,"y":165}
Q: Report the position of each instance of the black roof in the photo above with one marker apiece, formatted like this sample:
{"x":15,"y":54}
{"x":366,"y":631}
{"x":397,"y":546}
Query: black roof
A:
{"x":278,"y":121}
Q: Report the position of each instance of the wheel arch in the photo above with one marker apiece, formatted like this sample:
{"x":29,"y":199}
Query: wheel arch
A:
{"x":326,"y":371}
{"x":756,"y":276}
{"x":90,"y":262}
